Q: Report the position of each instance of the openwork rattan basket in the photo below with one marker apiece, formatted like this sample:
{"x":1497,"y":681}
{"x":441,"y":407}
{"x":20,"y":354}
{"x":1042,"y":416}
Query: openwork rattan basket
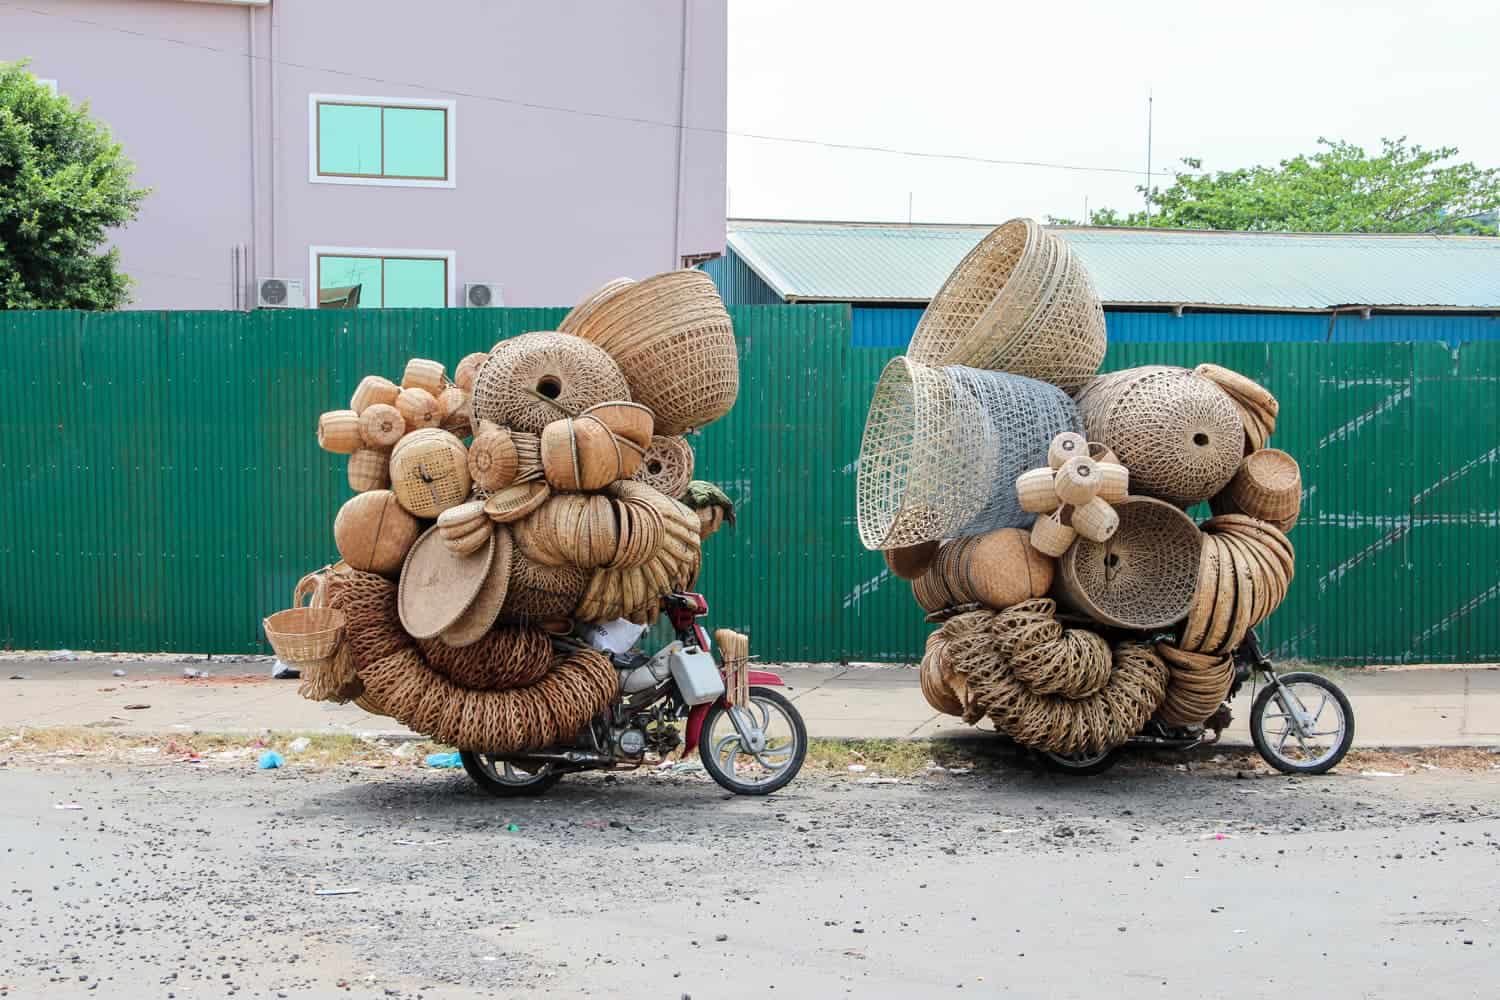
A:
{"x":1020,"y":302}
{"x":1144,"y":576}
{"x":673,"y":338}
{"x":667,"y":465}
{"x":943,"y":447}
{"x":589,"y":303}
{"x":1179,"y":434}
{"x":536,"y":378}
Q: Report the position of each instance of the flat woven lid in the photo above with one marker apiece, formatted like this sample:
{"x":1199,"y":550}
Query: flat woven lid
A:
{"x":485,"y":609}
{"x":438,"y":586}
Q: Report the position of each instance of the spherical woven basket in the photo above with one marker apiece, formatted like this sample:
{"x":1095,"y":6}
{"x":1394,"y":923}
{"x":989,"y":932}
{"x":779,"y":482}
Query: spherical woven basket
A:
{"x":373,"y":532}
{"x":493,"y":460}
{"x":1144,"y":576}
{"x":943,"y":448}
{"x":586,"y":307}
{"x":536,"y":378}
{"x":463,"y":375}
{"x":430,"y":472}
{"x":667,"y":465}
{"x":581,"y":454}
{"x":673,"y":338}
{"x":1178,"y":434}
{"x":1021,"y":302}
{"x":419,"y":408}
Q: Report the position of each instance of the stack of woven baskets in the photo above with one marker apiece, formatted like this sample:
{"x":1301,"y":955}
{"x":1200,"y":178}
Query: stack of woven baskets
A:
{"x":544,"y":485}
{"x":1039,"y":508}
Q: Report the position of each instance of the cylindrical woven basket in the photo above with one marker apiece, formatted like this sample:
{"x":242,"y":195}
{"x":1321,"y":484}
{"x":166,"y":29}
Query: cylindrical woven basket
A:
{"x":338,"y":432}
{"x":1036,"y":490}
{"x":430,"y":472}
{"x":943,"y":448}
{"x":1178,"y":434}
{"x":1077,"y":482}
{"x":1095,"y":520}
{"x":1268,"y":486}
{"x":369,"y":469}
{"x":1144,"y":576}
{"x":419,"y":408}
{"x":381,"y":425}
{"x":373,"y":389}
{"x":667,"y":465}
{"x":536,"y":378}
{"x":673,"y":338}
{"x":422,"y":373}
{"x":1021,"y":302}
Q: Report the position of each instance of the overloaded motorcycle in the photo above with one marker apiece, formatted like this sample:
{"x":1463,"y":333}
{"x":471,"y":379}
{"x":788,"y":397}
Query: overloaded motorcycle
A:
{"x":1301,"y":723}
{"x":749,"y":736}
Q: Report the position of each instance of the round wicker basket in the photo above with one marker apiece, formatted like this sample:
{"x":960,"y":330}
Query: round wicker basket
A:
{"x":1144,"y":576}
{"x":1051,"y":536}
{"x":673,"y":339}
{"x":430,"y":472}
{"x":667,"y":465}
{"x":420,"y":409}
{"x":493,"y":461}
{"x":1020,"y":302}
{"x":1180,"y":435}
{"x":580,"y":454}
{"x":911,"y":562}
{"x":468,"y":368}
{"x":304,"y":635}
{"x":381,"y":425}
{"x":338,"y":432}
{"x":536,"y":378}
{"x":1268,"y":486}
{"x":997,"y":569}
{"x":373,"y":389}
{"x":373,"y":532}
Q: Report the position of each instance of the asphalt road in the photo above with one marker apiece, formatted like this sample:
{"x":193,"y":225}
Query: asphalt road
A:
{"x":174,"y":881}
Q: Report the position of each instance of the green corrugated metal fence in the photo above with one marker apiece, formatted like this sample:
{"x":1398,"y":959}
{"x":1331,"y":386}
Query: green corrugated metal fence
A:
{"x":163,"y":489}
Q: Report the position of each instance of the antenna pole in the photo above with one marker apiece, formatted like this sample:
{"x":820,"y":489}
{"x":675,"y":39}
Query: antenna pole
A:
{"x":908,"y":208}
{"x":1149,"y":109}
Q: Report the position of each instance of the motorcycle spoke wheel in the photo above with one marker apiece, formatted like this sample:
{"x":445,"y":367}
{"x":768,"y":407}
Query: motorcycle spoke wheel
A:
{"x":767,"y":762}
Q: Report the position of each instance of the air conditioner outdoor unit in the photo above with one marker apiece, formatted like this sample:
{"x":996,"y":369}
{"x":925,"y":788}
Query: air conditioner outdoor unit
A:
{"x":483,"y":295}
{"x":280,"y":293}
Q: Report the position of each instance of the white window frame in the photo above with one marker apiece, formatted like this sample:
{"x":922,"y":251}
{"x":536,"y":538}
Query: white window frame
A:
{"x":314,"y":252}
{"x":451,"y":107}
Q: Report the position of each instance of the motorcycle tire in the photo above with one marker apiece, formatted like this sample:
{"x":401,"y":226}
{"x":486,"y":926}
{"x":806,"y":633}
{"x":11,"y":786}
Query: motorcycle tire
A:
{"x":1271,"y":756}
{"x":787,"y":772}
{"x":1083,"y":766}
{"x":483,"y":776}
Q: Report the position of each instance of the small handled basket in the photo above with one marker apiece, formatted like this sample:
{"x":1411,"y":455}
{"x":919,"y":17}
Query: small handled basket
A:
{"x":309,"y":635}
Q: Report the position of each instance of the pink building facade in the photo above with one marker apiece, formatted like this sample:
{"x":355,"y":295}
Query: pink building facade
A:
{"x":410,"y":148}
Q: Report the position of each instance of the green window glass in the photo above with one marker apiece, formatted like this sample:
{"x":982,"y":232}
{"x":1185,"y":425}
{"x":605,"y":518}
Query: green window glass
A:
{"x":385,"y":282}
{"x":366,"y":140}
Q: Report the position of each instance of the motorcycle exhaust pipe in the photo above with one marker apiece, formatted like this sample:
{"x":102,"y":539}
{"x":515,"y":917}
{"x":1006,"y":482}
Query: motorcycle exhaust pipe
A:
{"x":585,"y":757}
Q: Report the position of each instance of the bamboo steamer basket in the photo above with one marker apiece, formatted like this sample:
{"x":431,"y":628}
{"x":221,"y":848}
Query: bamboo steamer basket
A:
{"x":667,"y":465}
{"x":580,"y":454}
{"x":381,"y":425}
{"x":1077,"y":481}
{"x":373,"y":389}
{"x":1114,"y":482}
{"x":1144,"y":576}
{"x":369,"y":469}
{"x":420,"y":409}
{"x":1065,"y":446}
{"x":1037,"y":491}
{"x":1051,"y":536}
{"x":1095,"y":520}
{"x":997,"y":569}
{"x":468,"y":368}
{"x":424,"y":374}
{"x":373,"y":532}
{"x":1268,"y":486}
{"x":674,"y":341}
{"x":908,"y":562}
{"x":338,"y":432}
{"x":493,"y":460}
{"x":430,"y":472}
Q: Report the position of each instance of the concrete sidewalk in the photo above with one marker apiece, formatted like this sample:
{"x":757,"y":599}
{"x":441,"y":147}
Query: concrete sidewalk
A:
{"x":1398,"y":707}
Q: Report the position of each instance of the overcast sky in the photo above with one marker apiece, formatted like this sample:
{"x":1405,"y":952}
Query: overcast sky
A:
{"x":1235,"y":84}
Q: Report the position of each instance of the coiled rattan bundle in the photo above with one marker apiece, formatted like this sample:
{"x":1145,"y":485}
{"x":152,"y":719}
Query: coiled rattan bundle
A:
{"x":1179,"y":434}
{"x":667,"y":465}
{"x":673,"y":338}
{"x":506,"y":657}
{"x":1199,"y":683}
{"x":571,"y":529}
{"x":373,"y":624}
{"x":942,"y":449}
{"x":937,"y":685}
{"x":1020,"y":302}
{"x":536,"y":378}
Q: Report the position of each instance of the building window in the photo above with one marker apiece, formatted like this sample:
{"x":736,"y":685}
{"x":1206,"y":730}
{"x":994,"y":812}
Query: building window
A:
{"x":348,"y":278}
{"x":383,"y":141}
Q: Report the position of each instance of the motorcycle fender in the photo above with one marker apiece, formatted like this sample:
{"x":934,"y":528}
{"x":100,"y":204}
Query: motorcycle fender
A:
{"x":696,"y":715}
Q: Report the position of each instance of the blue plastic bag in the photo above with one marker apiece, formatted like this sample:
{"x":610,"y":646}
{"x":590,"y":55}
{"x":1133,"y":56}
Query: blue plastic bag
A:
{"x":444,"y":760}
{"x":269,"y":761}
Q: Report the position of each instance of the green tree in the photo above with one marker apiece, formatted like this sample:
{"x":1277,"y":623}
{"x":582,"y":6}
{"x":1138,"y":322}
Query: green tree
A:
{"x":64,"y":183}
{"x":1338,"y":189}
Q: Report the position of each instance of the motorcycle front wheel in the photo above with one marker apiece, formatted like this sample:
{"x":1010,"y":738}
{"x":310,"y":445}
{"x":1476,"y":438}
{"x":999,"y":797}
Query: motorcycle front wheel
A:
{"x":1314,"y":748}
{"x":780,"y":744}
{"x":506,"y":779}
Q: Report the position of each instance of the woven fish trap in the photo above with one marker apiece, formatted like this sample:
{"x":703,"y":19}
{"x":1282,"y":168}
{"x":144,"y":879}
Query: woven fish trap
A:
{"x":548,"y":711}
{"x":586,"y":306}
{"x":1179,"y":435}
{"x":1103,"y":720}
{"x":506,"y":657}
{"x":1268,"y":486}
{"x":942,"y":449}
{"x":536,"y":378}
{"x":667,"y":465}
{"x":674,"y":340}
{"x":1197,"y":687}
{"x":1144,"y":576}
{"x":1021,"y":301}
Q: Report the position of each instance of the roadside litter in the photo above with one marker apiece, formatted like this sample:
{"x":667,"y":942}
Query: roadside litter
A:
{"x":270,"y":760}
{"x":444,"y":760}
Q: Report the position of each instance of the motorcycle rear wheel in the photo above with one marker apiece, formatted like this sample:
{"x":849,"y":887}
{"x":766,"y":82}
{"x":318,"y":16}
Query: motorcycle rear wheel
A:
{"x":720,"y":746}
{"x":1084,"y":764}
{"x":508,"y":779}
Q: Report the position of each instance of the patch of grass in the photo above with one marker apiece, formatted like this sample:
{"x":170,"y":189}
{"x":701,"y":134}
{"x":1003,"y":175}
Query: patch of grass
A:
{"x":323,"y":749}
{"x":891,"y":758}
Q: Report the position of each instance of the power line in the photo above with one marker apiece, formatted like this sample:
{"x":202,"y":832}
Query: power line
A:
{"x":585,"y":113}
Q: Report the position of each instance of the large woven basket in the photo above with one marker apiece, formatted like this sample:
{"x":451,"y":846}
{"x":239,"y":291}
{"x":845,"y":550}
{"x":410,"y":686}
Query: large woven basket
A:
{"x":942,"y":449}
{"x":1020,"y":302}
{"x":536,"y":378}
{"x":1141,"y":578}
{"x":586,"y":306}
{"x":673,"y":338}
{"x":1178,"y":433}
